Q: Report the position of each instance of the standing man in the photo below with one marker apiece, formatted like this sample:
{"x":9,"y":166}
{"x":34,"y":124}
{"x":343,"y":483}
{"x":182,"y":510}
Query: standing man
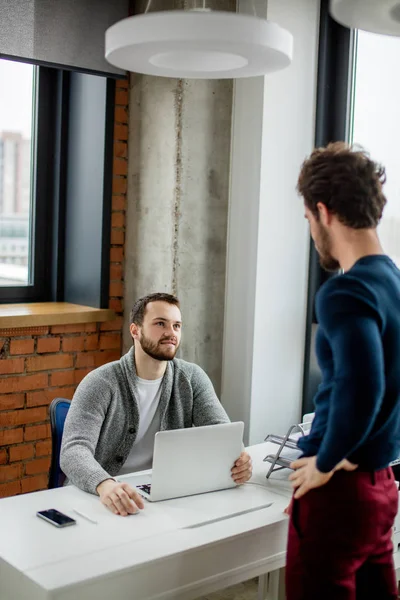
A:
{"x":118,"y":408}
{"x":345,"y":498}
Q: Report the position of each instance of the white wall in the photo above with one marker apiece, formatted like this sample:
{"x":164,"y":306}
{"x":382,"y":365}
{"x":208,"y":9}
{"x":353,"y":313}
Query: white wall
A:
{"x":268,"y":241}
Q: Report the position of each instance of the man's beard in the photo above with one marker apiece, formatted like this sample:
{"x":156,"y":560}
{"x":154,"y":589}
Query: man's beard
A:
{"x":327,"y":261}
{"x":156,"y":349}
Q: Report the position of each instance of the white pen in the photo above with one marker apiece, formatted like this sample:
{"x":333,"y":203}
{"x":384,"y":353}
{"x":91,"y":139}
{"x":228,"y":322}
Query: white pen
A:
{"x":84,"y":516}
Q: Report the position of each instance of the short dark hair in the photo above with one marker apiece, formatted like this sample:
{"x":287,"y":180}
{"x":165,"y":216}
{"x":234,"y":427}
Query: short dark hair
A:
{"x":139,"y":308}
{"x":347,"y":181}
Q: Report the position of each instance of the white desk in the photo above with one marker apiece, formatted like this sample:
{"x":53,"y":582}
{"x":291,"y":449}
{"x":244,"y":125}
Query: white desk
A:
{"x":163,"y":553}
{"x":168,"y":551}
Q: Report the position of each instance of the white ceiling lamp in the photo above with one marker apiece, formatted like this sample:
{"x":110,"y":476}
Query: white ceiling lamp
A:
{"x":377,"y":16}
{"x":198,"y":44}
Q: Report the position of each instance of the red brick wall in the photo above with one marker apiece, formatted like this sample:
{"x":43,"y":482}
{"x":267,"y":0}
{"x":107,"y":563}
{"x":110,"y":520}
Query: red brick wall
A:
{"x":38,"y":364}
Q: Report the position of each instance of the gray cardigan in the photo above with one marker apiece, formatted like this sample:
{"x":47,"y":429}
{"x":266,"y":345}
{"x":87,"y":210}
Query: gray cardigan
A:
{"x":102,"y":423}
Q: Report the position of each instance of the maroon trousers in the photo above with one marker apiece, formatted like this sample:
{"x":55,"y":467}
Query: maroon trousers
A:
{"x":340,"y":545}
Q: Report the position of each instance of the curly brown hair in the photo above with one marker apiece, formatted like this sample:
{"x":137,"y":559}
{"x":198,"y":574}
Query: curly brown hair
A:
{"x":347,"y":181}
{"x":139,"y":308}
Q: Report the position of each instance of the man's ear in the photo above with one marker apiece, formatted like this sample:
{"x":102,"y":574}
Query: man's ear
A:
{"x":134,"y":329}
{"x":325,"y":216}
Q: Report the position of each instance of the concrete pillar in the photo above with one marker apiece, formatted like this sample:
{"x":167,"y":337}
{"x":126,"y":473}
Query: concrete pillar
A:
{"x":178,"y":188}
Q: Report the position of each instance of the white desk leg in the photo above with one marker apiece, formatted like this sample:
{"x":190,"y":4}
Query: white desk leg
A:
{"x":263,"y":587}
{"x":272,"y":585}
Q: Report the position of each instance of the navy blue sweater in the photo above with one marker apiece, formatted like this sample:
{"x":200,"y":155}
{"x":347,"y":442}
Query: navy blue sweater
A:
{"x":357,"y":406}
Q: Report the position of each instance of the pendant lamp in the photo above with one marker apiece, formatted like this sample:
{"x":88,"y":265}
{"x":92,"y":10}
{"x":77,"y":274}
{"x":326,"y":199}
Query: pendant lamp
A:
{"x":376,"y":16}
{"x":199,"y":44}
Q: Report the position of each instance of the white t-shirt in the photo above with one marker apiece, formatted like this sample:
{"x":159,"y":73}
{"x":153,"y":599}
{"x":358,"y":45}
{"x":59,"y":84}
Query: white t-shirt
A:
{"x":141,"y":455}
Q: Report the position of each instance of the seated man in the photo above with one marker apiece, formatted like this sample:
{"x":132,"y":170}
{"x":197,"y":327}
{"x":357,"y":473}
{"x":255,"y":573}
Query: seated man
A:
{"x":118,"y":408}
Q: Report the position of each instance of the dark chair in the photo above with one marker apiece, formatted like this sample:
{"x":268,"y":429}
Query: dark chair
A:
{"x":58,"y":411}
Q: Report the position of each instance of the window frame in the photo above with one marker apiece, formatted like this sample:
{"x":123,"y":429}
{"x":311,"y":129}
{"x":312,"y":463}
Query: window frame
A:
{"x":55,"y":238}
{"x":41,"y":190}
{"x":334,"y":106}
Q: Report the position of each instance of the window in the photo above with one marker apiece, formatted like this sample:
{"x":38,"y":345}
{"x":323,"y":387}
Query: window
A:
{"x":17,"y":107}
{"x":357,"y":101}
{"x":375,"y":121}
{"x":27,"y":167}
{"x":56,"y":163}
{"x":56,"y":160}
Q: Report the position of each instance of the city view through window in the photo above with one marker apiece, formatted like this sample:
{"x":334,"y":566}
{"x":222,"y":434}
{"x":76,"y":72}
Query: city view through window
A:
{"x":16,"y":109}
{"x":376,"y":123}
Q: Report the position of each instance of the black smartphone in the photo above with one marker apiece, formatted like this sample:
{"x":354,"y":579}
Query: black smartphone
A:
{"x":55,"y":517}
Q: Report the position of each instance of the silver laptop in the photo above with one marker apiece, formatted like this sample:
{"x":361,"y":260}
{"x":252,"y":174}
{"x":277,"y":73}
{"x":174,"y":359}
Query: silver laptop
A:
{"x":193,"y":461}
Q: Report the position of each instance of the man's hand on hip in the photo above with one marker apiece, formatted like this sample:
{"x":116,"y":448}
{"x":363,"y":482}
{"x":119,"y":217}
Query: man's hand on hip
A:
{"x":242,"y":469}
{"x":345,"y":465}
{"x":306,"y":476}
{"x":119,"y":497}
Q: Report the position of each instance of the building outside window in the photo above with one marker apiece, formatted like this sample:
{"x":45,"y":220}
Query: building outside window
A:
{"x":17,"y":107}
{"x":375,"y":121}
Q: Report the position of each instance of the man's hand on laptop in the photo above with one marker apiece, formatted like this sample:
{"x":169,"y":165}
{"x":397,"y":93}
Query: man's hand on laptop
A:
{"x":119,"y":497}
{"x":242,"y":469}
